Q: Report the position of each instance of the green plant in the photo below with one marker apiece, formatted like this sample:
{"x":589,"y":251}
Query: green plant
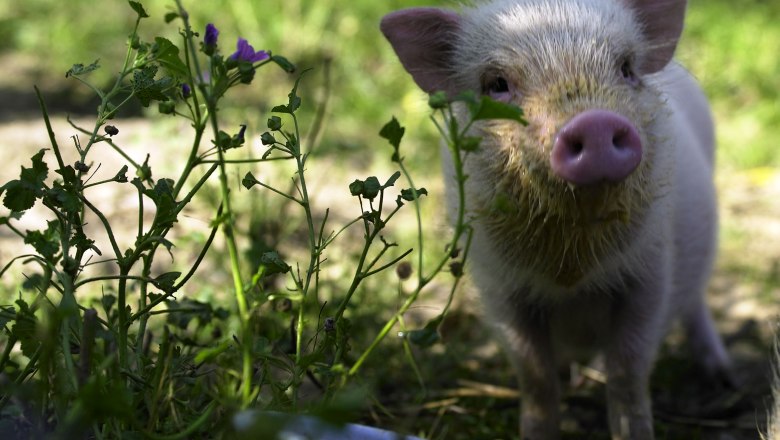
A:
{"x":75,"y":364}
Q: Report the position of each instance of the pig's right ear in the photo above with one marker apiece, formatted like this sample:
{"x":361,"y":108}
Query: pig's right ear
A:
{"x":423,"y":40}
{"x":662,"y":22}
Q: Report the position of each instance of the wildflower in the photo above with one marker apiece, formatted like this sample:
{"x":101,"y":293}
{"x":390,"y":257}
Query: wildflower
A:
{"x":185,"y":90}
{"x":210,"y":39}
{"x":245,"y":52}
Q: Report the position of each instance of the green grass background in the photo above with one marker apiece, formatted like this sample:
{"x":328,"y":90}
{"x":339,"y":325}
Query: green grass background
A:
{"x":732,"y":47}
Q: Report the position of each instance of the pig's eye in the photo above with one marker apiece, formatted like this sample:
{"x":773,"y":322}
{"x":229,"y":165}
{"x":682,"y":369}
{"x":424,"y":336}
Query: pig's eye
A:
{"x":627,"y":71}
{"x":497,"y":88}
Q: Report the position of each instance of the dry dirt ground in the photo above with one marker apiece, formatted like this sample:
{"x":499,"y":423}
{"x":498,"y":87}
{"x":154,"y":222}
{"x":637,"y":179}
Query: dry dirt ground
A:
{"x":744,"y":289}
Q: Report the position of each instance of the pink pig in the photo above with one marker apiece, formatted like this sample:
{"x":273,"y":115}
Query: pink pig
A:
{"x":594,"y":225}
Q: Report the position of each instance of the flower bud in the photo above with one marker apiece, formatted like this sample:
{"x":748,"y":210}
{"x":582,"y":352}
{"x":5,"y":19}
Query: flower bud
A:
{"x":330,"y":324}
{"x":403,"y":270}
{"x":166,"y":107}
{"x":210,"y":39}
{"x":456,"y":268}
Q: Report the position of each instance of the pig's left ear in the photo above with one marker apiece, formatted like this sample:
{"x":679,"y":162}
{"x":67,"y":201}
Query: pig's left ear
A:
{"x":662,"y":23}
{"x":423,"y":40}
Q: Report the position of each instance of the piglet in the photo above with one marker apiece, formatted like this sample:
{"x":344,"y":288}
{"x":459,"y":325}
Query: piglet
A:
{"x":594,"y":225}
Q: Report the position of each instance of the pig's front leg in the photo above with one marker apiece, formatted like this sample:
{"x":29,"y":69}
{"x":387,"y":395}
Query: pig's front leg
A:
{"x":639,"y":320}
{"x":528,"y":343}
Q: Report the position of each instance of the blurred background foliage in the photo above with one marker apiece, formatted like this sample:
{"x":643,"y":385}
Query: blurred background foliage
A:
{"x":732,"y":47}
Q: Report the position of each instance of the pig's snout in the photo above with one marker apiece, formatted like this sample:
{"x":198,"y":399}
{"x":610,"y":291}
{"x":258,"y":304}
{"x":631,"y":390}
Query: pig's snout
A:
{"x":596,"y":146}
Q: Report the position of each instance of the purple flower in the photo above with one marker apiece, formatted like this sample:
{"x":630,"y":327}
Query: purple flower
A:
{"x":185,"y":90}
{"x":245,"y":52}
{"x":211,"y":35}
{"x":210,"y":39}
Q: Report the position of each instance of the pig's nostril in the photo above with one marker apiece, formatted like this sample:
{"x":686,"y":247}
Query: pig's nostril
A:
{"x":576,"y":148}
{"x":622,"y":139}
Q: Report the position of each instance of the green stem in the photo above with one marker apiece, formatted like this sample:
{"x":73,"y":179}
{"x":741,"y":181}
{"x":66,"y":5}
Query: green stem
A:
{"x":123,"y":318}
{"x":52,"y":139}
{"x":460,"y":228}
{"x":228,"y":223}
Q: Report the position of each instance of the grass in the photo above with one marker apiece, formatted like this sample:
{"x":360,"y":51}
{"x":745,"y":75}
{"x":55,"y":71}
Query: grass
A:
{"x":359,"y":84}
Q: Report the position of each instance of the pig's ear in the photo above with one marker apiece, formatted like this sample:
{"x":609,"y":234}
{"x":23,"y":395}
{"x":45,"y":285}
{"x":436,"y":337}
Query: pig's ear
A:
{"x":662,"y":22}
{"x":423,"y":40}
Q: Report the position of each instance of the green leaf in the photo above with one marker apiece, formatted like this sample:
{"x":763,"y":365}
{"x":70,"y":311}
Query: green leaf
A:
{"x":65,"y":197}
{"x":121,"y":176}
{"x":185,"y":310}
{"x":438,"y":100}
{"x":356,"y":187}
{"x":273,"y":263}
{"x":468,"y":97}
{"x":20,"y":194}
{"x":144,"y":172}
{"x":427,"y":336}
{"x":163,"y":241}
{"x":470,"y":143}
{"x":391,"y":181}
{"x":167,"y":54}
{"x":275,"y":122}
{"x":80,"y":69}
{"x":18,"y":197}
{"x":47,"y":242}
{"x":68,"y":175}
{"x":294,"y":101}
{"x":409,"y":194}
{"x":393,"y":132}
{"x":7,"y":314}
{"x":487,"y":108}
{"x":209,"y":354}
{"x":83,"y":243}
{"x":165,"y":281}
{"x":284,"y":63}
{"x":371,"y":188}
{"x":108,"y":302}
{"x":249,"y":180}
{"x":267,"y":138}
{"x":24,"y":328}
{"x":162,"y":196}
{"x":139,"y":9}
{"x":37,"y":174}
{"x":146,"y":88}
{"x":169,"y":17}
{"x":33,"y":282}
{"x":222,"y":141}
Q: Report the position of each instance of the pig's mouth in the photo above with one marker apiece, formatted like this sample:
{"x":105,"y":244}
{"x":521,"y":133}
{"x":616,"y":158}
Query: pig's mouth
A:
{"x":564,"y":232}
{"x":599,"y":204}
